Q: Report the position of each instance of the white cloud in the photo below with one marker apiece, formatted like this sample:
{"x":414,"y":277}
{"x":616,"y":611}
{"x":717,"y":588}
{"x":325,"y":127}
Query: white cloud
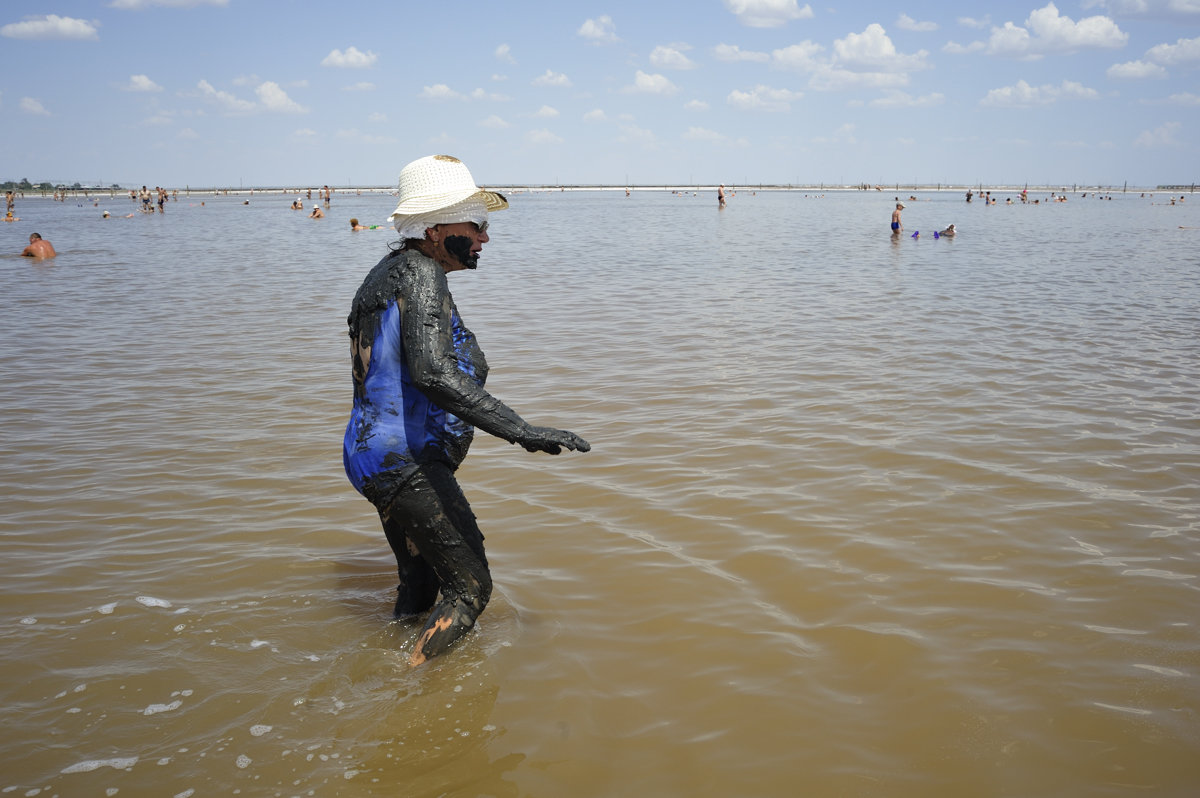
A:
{"x":187,"y":134}
{"x":971,"y":22}
{"x":1161,"y":136}
{"x":872,"y":50}
{"x":141,"y":83}
{"x":905,"y":22}
{"x":1061,"y":33}
{"x":480,"y":94}
{"x":440,"y":91}
{"x":50,"y":26}
{"x":1184,"y":51}
{"x":651,"y":84}
{"x":899,"y":99}
{"x":1048,"y":32}
{"x":1185,"y":98}
{"x":598,"y":30}
{"x":1135,"y":70}
{"x":552,"y":78}
{"x":352,"y":58}
{"x":377,"y":116}
{"x":768,"y":13}
{"x":504,"y":53}
{"x":763,"y":98}
{"x":304,"y":133}
{"x":139,"y":4}
{"x":954,"y":48}
{"x":632,"y":134}
{"x":33,"y":107}
{"x":224,"y":99}
{"x":829,"y":78}
{"x":275,"y":99}
{"x":542,"y":136}
{"x":671,"y":57}
{"x":546,"y":112}
{"x":801,"y":57}
{"x":696,"y":105}
{"x":1022,"y":95}
{"x":704,"y":134}
{"x":731,"y":53}
{"x":494,"y":122}
{"x":1182,"y":10}
{"x":363,"y":85}
{"x":860,"y":60}
{"x":595,"y":115}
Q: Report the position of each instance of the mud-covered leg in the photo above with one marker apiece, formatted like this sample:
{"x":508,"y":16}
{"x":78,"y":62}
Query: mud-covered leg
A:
{"x":450,"y":620}
{"x":418,"y":587}
{"x":441,"y":526}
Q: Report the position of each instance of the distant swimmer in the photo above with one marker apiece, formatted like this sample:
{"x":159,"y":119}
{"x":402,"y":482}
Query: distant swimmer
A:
{"x":354,"y":225}
{"x":39,"y":248}
{"x":897,"y":225}
{"x":949,"y":232}
{"x":317,"y":213}
{"x":8,"y":217}
{"x":721,"y":196}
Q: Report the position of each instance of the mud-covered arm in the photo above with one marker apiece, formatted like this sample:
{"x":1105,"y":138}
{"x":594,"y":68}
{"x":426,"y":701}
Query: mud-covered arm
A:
{"x":433,"y":365}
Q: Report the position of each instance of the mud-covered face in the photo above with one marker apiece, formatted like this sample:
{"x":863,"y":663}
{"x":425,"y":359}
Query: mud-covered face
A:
{"x":463,"y":241}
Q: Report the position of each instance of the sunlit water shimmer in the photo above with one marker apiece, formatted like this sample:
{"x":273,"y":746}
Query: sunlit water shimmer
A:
{"x":862,"y":517}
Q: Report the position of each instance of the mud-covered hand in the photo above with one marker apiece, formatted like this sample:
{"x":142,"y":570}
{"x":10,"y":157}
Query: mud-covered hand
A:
{"x":552,"y":441}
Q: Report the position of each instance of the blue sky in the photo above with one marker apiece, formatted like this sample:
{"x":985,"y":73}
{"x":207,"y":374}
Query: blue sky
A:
{"x":251,"y":92}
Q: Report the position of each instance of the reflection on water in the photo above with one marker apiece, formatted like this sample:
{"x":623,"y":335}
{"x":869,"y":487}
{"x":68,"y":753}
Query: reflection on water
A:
{"x":862,"y":517}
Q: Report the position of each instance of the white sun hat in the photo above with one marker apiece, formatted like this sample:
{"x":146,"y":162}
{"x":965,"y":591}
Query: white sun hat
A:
{"x":436,"y":182}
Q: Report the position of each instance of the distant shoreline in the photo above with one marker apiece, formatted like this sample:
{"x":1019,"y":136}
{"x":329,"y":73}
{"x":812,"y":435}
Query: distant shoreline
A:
{"x":547,"y":188}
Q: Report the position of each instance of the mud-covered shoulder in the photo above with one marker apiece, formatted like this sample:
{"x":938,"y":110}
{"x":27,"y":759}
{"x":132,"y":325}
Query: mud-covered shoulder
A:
{"x":381,"y":285}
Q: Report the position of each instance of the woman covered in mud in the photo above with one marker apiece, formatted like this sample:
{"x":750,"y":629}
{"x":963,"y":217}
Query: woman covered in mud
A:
{"x":418,"y":395}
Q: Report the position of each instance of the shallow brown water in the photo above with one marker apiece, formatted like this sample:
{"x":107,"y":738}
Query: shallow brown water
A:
{"x":862,"y":517}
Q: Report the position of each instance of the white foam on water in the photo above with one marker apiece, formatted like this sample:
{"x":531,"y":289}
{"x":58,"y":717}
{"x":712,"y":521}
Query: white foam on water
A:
{"x":150,"y":601}
{"x":154,"y":709}
{"x":88,"y":765}
{"x":259,"y":730}
{"x":243,"y":761}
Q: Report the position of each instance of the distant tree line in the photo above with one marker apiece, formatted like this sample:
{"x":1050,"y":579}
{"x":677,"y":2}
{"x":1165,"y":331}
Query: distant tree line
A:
{"x":25,"y":185}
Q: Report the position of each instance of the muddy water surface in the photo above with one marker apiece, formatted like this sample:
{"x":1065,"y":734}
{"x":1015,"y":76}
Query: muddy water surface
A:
{"x":862,"y":516}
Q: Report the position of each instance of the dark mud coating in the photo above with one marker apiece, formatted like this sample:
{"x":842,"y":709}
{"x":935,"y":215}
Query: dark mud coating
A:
{"x":419,"y":285}
{"x":439,"y":548}
{"x":460,"y":248}
{"x":427,"y":520}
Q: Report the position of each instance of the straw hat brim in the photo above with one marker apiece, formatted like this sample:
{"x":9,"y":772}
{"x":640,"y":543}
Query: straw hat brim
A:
{"x":412,"y":206}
